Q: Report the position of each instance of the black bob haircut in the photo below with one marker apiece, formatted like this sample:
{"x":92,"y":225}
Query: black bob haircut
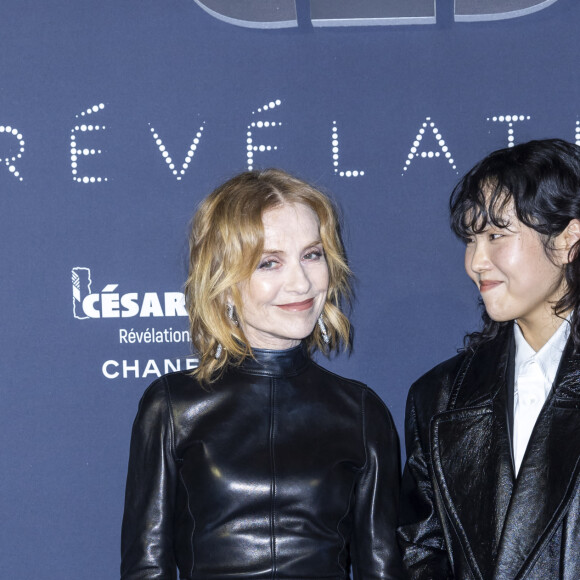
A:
{"x":542,"y":180}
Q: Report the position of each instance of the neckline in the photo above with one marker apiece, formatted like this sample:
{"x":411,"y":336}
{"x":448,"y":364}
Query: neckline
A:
{"x":276,"y":363}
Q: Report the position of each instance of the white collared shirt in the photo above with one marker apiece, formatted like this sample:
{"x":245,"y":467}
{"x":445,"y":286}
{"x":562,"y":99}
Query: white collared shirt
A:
{"x":533,"y":378}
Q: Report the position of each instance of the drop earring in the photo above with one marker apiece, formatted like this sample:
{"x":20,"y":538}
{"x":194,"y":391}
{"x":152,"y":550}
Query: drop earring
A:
{"x":323,"y":330}
{"x":231,"y":313}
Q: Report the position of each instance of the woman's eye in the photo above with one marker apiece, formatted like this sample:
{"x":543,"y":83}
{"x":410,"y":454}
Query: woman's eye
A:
{"x":268,"y":264}
{"x":495,"y":236}
{"x":313,"y":255}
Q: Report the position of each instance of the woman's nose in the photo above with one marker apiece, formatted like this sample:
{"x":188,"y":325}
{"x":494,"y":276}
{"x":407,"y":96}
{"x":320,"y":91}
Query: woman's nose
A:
{"x":477,"y":257}
{"x":298,"y":280}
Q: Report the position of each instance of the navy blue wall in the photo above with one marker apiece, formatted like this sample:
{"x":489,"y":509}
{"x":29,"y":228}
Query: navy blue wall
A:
{"x":93,"y":94}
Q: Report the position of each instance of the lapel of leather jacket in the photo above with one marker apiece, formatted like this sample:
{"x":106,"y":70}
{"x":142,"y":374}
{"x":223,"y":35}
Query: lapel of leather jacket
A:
{"x":471,"y":454}
{"x":548,"y":476}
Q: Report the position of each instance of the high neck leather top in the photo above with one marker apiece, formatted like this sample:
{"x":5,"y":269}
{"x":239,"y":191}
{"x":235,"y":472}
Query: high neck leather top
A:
{"x":279,"y":470}
{"x":276,"y":363}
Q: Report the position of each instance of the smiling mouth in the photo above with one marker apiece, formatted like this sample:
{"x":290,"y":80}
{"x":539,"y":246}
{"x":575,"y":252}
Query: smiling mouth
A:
{"x":297,"y":306}
{"x":486,"y":285}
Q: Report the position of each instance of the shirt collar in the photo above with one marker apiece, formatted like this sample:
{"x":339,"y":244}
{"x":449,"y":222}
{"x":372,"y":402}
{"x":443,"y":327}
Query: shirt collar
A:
{"x":548,"y":357}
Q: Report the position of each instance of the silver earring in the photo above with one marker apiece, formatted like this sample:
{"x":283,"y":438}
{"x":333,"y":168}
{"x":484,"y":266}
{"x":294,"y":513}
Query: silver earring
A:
{"x":231,"y":313}
{"x":219,"y":350}
{"x":323,"y":330}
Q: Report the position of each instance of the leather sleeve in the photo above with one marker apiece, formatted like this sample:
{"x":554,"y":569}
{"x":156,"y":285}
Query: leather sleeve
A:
{"x":147,"y":533}
{"x":374,"y":551}
{"x":420,"y":532}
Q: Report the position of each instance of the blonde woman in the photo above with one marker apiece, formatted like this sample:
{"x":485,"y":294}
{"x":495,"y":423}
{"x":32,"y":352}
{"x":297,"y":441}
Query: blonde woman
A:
{"x":260,"y":463}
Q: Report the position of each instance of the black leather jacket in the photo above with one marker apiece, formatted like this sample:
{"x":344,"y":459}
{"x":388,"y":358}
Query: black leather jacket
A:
{"x":280,"y":469}
{"x":464,"y":514}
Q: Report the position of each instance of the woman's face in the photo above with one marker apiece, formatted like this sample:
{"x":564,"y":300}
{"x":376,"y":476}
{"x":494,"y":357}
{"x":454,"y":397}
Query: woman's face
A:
{"x":516,"y":278}
{"x":285,"y":295}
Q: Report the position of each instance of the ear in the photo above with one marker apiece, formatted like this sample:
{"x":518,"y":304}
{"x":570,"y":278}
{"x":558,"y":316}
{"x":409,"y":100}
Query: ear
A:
{"x":571,"y":237}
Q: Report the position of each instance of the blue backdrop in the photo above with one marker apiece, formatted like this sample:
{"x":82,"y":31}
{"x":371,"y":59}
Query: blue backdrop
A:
{"x":117,"y":118}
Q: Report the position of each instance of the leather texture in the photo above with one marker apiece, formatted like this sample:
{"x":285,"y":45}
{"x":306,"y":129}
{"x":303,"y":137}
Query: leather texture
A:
{"x":464,"y":515}
{"x":279,"y":470}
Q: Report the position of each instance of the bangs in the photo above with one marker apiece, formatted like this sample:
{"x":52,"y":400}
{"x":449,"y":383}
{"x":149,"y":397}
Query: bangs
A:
{"x":477,"y":205}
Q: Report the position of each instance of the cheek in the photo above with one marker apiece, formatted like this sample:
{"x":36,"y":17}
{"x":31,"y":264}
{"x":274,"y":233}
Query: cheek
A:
{"x":544,"y":271}
{"x":261,"y":291}
{"x":510,"y":257}
{"x":322,"y":278}
{"x":519,"y":264}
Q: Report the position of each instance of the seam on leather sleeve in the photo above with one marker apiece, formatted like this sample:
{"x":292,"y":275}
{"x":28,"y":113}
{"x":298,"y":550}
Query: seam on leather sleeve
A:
{"x":170,"y":420}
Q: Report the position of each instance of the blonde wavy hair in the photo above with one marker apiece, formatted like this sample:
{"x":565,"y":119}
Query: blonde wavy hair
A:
{"x":226,"y":244}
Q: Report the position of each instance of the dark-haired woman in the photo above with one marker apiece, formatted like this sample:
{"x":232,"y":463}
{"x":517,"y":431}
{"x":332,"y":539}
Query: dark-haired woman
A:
{"x":261,"y":464}
{"x":491,"y":487}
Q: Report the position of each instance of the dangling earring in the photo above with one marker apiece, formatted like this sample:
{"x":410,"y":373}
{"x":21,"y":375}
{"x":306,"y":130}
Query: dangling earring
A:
{"x":231,"y":313}
{"x":323,"y":330}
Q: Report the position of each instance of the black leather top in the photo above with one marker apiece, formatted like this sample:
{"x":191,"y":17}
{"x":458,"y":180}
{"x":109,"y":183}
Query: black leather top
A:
{"x":280,"y":469}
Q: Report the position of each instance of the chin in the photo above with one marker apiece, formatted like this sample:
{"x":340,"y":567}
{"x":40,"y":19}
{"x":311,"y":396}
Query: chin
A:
{"x":499,"y":317}
{"x":497,"y":314}
{"x":300,"y":334}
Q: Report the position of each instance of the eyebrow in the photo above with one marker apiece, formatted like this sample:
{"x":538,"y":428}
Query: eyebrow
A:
{"x":266,"y":251}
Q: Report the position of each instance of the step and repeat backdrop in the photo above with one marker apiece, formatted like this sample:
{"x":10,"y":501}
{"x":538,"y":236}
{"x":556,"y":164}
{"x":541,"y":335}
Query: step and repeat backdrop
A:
{"x":117,"y":118}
